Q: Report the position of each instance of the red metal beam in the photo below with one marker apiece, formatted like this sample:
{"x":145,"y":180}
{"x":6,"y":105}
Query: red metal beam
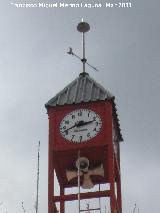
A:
{"x":88,"y":195}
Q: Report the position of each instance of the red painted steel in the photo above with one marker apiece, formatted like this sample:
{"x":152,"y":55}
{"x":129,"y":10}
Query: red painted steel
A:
{"x":88,"y":195}
{"x":61,"y":201}
{"x":63,"y":155}
{"x":57,"y":114}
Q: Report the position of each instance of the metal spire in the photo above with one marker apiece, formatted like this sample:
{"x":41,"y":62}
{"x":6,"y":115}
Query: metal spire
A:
{"x":37,"y":194}
{"x":82,"y":27}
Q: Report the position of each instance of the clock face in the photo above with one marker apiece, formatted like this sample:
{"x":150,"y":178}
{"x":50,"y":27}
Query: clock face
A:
{"x":80,"y":125}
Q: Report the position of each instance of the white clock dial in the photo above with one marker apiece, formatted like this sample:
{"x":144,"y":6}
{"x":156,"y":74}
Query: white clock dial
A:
{"x":80,"y":125}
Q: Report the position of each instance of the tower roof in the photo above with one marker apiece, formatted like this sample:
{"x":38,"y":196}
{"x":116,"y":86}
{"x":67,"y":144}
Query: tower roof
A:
{"x":82,"y":90}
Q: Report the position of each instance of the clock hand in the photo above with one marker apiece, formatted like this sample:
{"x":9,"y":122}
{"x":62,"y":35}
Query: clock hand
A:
{"x":83,"y":123}
{"x":70,"y":127}
{"x":75,"y":125}
{"x":79,"y":124}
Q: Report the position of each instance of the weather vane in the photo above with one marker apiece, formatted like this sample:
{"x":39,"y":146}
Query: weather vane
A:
{"x":82,"y":27}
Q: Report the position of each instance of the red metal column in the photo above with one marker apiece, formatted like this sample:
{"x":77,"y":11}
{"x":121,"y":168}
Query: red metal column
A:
{"x":112,"y":181}
{"x":119,"y":198}
{"x":62,"y":202}
{"x":50,"y":183}
{"x":50,"y":174}
{"x":111,"y":165}
{"x":119,"y":201}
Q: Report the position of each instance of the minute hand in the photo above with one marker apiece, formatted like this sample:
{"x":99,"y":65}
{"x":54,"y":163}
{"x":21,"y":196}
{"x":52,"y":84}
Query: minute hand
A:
{"x":82,"y":123}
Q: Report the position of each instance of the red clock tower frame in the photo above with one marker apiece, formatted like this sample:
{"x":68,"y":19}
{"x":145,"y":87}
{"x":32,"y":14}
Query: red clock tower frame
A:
{"x":104,"y":148}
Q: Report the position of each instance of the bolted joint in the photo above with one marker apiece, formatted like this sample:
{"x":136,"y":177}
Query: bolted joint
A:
{"x":84,"y":60}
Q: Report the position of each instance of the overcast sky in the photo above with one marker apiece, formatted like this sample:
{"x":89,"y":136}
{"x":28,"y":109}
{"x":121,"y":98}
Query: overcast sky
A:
{"x":124,"y":44}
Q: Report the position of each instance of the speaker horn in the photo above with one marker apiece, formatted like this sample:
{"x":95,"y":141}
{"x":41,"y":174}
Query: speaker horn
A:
{"x":72,"y":174}
{"x":83,"y":164}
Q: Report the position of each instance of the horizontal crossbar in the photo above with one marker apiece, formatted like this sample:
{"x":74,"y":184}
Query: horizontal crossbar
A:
{"x":88,"y":195}
{"x":84,"y":210}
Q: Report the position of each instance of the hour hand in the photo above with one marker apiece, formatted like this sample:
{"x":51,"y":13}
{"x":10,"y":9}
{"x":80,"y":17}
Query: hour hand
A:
{"x":75,"y":125}
{"x":70,"y":127}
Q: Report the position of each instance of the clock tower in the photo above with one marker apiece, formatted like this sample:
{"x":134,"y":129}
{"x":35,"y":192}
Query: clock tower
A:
{"x":84,"y":136}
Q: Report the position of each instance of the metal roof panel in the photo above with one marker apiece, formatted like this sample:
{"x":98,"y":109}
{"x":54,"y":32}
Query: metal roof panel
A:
{"x":82,"y":89}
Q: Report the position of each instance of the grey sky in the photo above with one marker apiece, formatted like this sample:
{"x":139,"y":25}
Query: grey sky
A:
{"x":124,"y":45}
